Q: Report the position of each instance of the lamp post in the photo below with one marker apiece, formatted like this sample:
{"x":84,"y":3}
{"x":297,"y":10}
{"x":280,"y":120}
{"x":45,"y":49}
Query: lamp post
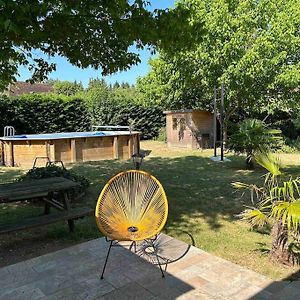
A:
{"x":137,"y":160}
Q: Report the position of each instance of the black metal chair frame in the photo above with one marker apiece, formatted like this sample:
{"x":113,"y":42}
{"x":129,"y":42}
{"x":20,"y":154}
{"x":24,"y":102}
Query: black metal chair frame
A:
{"x":159,"y":260}
{"x":114,"y":243}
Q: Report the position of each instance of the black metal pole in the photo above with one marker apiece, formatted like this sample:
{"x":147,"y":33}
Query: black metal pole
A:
{"x":222,"y":121}
{"x":215,"y":121}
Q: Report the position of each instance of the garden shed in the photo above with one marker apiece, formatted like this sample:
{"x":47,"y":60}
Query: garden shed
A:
{"x":189,"y":128}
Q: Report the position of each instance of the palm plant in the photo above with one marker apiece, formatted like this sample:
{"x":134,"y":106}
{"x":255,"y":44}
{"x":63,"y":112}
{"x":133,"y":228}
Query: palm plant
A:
{"x":251,"y":135}
{"x":277,"y":203}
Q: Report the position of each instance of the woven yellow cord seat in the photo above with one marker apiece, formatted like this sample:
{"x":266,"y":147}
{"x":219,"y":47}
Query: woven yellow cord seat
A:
{"x":132,"y":206}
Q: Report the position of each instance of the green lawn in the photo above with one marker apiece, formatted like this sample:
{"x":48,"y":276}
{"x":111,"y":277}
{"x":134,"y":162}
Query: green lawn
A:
{"x":201,"y":202}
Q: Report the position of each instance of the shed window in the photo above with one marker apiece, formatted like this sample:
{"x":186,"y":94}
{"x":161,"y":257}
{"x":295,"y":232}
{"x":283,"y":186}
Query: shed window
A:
{"x":182,"y":124}
{"x":174,"y":123}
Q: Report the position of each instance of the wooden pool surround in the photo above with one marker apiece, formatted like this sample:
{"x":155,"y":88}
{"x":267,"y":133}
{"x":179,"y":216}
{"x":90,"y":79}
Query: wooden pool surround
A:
{"x":22,"y":153}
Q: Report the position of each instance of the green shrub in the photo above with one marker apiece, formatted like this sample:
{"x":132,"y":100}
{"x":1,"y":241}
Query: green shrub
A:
{"x":7,"y":112}
{"x":252,"y":135}
{"x":275,"y":203}
{"x":291,"y":146}
{"x":162,"y":135}
{"x":55,"y":171}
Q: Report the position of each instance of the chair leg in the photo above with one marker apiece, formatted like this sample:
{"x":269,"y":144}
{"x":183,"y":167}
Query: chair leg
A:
{"x":71,"y":225}
{"x":106,"y":259}
{"x":161,"y":270}
{"x":133,"y":245}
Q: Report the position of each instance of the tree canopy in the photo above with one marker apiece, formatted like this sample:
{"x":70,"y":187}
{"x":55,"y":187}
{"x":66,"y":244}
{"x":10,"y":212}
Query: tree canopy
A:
{"x":89,"y":33}
{"x":67,"y":88}
{"x":251,"y":46}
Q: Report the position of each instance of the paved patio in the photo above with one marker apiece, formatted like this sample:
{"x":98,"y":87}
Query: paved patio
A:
{"x":74,"y":273}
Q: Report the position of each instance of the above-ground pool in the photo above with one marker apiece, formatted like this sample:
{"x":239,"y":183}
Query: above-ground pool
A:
{"x":21,"y":150}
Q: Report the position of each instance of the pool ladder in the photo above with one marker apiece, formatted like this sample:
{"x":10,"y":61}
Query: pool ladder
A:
{"x":9,"y":131}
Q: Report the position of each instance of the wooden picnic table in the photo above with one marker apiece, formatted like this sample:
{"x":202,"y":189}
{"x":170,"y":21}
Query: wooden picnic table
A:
{"x":53,"y":191}
{"x":35,"y":188}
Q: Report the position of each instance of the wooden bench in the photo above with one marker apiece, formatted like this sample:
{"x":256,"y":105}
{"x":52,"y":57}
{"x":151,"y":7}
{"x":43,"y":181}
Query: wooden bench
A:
{"x":28,"y":223}
{"x":46,"y":190}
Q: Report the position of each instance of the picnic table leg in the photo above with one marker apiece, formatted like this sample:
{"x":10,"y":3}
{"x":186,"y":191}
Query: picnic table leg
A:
{"x":71,"y":225}
{"x":47,"y":205}
{"x":47,"y":209}
{"x":67,"y":207}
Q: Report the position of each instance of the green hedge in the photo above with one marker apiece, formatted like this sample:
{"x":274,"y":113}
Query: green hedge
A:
{"x":147,"y":120}
{"x":41,"y":113}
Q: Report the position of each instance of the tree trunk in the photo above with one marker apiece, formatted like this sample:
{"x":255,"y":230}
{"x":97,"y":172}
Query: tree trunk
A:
{"x":225,"y":136}
{"x":249,"y":161}
{"x":279,"y":249}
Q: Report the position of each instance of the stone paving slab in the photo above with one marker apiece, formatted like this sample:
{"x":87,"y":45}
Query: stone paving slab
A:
{"x":74,"y":273}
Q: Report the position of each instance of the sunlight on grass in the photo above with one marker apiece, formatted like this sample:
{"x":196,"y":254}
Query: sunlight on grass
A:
{"x":289,"y":159}
{"x":201,"y":202}
{"x":10,"y":174}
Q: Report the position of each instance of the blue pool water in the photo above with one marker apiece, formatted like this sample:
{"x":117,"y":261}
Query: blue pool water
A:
{"x":64,"y":135}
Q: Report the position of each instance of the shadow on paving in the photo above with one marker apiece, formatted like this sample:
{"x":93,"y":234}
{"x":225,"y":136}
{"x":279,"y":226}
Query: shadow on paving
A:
{"x":74,"y":273}
{"x":287,"y":289}
{"x":164,"y":249}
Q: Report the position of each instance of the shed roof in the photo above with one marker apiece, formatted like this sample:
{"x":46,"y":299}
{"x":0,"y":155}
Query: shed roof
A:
{"x":184,"y":111}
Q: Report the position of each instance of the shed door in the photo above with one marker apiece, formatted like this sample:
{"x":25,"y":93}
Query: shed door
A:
{"x":179,"y":133}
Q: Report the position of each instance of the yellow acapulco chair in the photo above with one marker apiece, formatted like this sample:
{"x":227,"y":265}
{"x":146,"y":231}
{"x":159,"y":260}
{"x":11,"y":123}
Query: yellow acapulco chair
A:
{"x":132,"y":206}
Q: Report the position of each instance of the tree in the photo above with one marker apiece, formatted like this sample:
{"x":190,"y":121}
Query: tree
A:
{"x":89,"y":33}
{"x":97,"y":99}
{"x":124,"y":95}
{"x":96,"y":83}
{"x":277,"y":203}
{"x":159,"y":85}
{"x":125,"y":85}
{"x":116,"y":85}
{"x":252,"y":135}
{"x":253,"y":47}
{"x":67,"y":88}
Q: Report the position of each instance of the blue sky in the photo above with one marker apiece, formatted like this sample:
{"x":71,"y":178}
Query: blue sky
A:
{"x":65,"y":71}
